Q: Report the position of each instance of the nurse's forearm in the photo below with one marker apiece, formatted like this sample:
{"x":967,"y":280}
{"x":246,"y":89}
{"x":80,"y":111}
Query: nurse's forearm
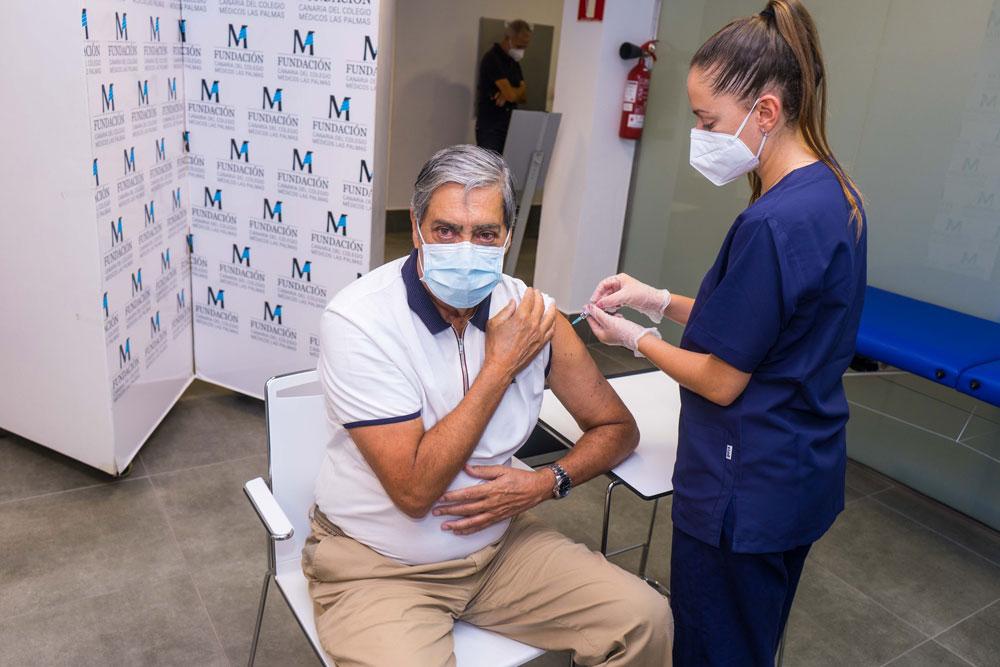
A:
{"x":679,"y":309}
{"x":704,"y":374}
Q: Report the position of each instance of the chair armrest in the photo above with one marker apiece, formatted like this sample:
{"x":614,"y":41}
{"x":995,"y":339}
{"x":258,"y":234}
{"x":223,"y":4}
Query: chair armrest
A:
{"x":268,"y":509}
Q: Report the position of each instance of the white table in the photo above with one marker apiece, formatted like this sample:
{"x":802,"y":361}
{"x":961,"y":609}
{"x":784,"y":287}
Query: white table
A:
{"x":654,"y":399}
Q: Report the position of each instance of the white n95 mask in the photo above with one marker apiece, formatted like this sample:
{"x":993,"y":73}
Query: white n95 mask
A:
{"x":721,"y":157}
{"x":461,"y":274}
{"x":516,"y":54}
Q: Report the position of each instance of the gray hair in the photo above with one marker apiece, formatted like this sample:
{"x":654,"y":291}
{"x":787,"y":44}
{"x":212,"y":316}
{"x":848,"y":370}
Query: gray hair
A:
{"x":516,"y":27}
{"x":469,"y":166}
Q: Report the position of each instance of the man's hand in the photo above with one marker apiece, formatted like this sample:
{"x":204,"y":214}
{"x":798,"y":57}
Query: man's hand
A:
{"x":515,"y":336}
{"x":508,"y":492}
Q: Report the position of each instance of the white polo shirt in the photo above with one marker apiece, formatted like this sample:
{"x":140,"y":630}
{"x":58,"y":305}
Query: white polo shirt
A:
{"x":386,"y":356}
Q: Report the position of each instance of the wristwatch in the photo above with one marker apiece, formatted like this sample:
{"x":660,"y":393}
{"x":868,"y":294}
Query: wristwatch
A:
{"x":563,"y":482}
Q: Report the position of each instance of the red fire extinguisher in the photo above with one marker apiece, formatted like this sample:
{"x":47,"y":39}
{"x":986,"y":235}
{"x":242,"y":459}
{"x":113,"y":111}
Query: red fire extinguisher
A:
{"x":636,"y":89}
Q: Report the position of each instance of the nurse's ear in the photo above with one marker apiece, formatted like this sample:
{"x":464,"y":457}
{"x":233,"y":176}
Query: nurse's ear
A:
{"x":769,"y":113}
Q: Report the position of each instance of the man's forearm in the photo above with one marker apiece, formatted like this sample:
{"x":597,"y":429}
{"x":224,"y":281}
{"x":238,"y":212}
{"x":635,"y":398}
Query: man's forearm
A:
{"x":600,"y":449}
{"x":445,"y":448}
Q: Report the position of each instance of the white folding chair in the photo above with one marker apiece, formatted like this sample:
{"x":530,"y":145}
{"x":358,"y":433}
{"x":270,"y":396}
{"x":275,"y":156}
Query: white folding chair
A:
{"x":297,"y":435}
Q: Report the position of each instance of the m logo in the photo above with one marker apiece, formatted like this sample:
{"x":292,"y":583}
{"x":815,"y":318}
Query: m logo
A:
{"x":121,"y":26}
{"x":303,"y":46}
{"x":217,"y":298}
{"x":970,"y":165}
{"x":190,"y":243}
{"x":125,"y":353}
{"x":154,"y":324}
{"x":211,"y":93}
{"x":154,"y":28}
{"x":83,"y":22}
{"x":213,"y":200}
{"x":117,"y":232}
{"x":137,"y":282}
{"x":272,"y":212}
{"x":986,"y":200}
{"x":150,"y":213}
{"x":369,"y":48}
{"x":181,"y":300}
{"x":186,"y":138}
{"x":364,"y":175}
{"x":237,"y":38}
{"x":172,"y":88}
{"x":988,"y":101}
{"x":239,"y":151}
{"x":303,"y":270}
{"x":241,"y":256}
{"x":175,"y":197}
{"x":165,"y":261}
{"x":300,"y":163}
{"x":342,"y":110}
{"x":270,"y":315}
{"x":129,"y":156}
{"x":97,"y":180}
{"x":107,"y":97}
{"x":143,"y":92}
{"x":104,"y":304}
{"x":271,"y":101}
{"x":182,"y":30}
{"x":338,"y":225}
{"x":161,"y":148}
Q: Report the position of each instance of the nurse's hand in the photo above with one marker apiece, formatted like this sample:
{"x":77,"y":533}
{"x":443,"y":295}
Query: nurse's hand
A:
{"x":623,"y":290}
{"x":616,"y":330}
{"x":506,"y":493}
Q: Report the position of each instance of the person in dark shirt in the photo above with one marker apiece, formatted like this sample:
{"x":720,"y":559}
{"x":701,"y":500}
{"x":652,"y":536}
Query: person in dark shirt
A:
{"x":501,"y":86}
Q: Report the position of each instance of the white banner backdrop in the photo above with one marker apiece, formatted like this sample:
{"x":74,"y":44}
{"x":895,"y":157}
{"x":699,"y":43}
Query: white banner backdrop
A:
{"x":134,"y":88}
{"x":280,"y":108}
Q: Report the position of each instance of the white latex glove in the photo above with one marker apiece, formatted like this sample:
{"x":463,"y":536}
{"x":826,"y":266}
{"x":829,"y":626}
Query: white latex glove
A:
{"x":616,"y":330}
{"x":623,"y":290}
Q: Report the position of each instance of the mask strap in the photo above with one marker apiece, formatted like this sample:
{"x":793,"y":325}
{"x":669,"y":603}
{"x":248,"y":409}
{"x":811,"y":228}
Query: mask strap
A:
{"x":744,"y":123}
{"x":760,"y":149}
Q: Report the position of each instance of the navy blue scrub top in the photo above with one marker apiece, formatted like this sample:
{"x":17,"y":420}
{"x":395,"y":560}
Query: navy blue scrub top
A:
{"x":782,"y":302}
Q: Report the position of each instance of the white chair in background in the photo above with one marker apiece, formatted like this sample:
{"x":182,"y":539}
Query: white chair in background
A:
{"x":297,"y":435}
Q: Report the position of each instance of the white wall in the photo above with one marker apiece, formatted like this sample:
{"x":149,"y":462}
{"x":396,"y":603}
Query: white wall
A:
{"x":586,"y":192}
{"x":434,"y":77}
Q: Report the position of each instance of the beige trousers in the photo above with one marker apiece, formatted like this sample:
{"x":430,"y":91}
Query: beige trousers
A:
{"x":534,"y":585}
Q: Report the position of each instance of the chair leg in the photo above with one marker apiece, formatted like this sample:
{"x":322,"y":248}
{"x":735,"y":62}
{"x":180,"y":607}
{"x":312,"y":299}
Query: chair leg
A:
{"x":260,"y":616}
{"x":649,"y":540}
{"x":607,"y":516}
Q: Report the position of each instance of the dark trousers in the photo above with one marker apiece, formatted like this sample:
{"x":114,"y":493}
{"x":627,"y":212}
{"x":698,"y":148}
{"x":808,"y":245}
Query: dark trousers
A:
{"x":729,"y":608}
{"x":491,"y":137}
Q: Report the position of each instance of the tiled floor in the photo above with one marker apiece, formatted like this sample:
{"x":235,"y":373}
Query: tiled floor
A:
{"x":164,"y":567}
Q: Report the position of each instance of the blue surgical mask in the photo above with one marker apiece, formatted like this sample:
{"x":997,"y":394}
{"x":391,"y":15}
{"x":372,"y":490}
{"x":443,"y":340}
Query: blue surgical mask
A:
{"x":461,"y":274}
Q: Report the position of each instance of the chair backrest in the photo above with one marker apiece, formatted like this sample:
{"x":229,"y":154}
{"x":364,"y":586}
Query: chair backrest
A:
{"x":297,"y":436}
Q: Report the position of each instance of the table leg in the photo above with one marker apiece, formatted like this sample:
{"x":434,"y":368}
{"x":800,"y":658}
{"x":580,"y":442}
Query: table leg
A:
{"x":607,"y":516}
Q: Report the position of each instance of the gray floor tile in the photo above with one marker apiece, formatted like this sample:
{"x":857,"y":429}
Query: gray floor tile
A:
{"x":231,"y":594}
{"x":65,"y":546}
{"x":954,"y":525}
{"x":977,"y":639}
{"x":920,"y":576}
{"x":154,"y":623}
{"x":210,"y":515}
{"x":206,"y":428}
{"x":862,"y":481}
{"x":833,"y":623}
{"x":930,"y":654}
{"x":32,"y":470}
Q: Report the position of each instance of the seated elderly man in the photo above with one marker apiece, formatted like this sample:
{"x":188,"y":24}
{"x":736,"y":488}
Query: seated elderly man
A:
{"x":433,"y":368}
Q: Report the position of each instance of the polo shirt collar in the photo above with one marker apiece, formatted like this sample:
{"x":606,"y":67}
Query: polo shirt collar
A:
{"x":420,"y":301}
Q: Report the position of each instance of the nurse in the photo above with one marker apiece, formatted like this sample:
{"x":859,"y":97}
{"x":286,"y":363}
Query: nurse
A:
{"x":761,"y":454}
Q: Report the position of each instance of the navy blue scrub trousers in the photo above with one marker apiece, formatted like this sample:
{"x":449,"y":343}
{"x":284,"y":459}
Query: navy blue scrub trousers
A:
{"x":729,"y":608}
